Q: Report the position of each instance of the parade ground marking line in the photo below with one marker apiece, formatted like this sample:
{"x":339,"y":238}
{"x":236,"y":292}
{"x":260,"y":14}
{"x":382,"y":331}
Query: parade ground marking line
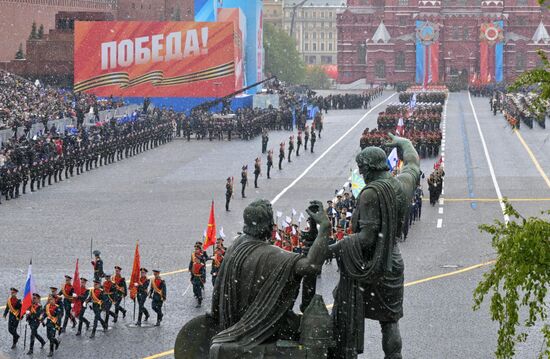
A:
{"x":489,"y":162}
{"x":409,"y":284}
{"x":277,"y":197}
{"x":533,"y":158}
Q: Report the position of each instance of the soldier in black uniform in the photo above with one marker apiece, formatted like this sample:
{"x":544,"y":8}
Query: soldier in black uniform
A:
{"x":52,"y":314}
{"x":158,"y":295}
{"x":257,"y":171}
{"x":306,"y":137}
{"x":34,"y":318}
{"x":142,"y":291}
{"x":244,"y":179}
{"x":281,"y":155}
{"x":98,"y":266}
{"x":120,"y":291}
{"x":83,"y":299}
{"x":290,"y":147}
{"x":108,"y":292}
{"x":198,"y":273}
{"x":97,"y":298}
{"x":265,"y":140}
{"x":13,"y":308}
{"x":228,"y":192}
{"x":269,"y":163}
{"x":59,"y":302}
{"x":313,"y":139}
{"x":298,"y":143}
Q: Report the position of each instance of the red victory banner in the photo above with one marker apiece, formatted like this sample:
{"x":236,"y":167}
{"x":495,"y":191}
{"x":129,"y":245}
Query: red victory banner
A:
{"x":154,"y":59}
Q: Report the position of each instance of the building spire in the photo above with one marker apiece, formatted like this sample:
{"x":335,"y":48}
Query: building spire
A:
{"x":381,"y":34}
{"x":541,"y":35}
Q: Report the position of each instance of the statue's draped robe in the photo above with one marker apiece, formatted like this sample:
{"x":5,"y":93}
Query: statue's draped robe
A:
{"x":371,"y":279}
{"x":254,"y":293}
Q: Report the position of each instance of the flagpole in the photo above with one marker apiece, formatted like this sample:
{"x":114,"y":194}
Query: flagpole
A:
{"x":25,"y":338}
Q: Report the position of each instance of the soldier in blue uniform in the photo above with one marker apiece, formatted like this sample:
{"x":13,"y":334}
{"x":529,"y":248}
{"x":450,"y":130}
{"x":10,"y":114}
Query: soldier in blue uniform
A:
{"x":158,"y":295}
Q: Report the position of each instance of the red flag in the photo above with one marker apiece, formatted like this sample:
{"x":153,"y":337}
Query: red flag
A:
{"x":210,"y":238}
{"x":78,"y":290}
{"x":134,"y":278}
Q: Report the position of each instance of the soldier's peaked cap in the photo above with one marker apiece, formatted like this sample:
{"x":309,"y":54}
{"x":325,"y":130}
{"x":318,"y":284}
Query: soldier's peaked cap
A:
{"x":96,"y":253}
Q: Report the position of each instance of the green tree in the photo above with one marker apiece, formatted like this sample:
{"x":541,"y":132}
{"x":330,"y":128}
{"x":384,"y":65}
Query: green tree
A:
{"x":281,"y":57}
{"x":33,"y":34}
{"x":518,"y":283}
{"x":40,"y":32}
{"x":316,"y":78}
{"x":20,"y":55}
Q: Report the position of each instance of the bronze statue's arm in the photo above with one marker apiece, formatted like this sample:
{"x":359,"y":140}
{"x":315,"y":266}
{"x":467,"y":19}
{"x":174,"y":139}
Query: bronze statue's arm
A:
{"x":410,"y":156}
{"x":312,"y":264}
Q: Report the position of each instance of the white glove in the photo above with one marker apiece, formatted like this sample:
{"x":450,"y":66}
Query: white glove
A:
{"x":28,"y":312}
{"x":74,"y":295}
{"x":136,"y":284}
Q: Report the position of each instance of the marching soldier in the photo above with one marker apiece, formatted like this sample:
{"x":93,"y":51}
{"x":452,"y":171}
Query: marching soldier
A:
{"x":83,"y":299}
{"x":13,"y":308}
{"x":34,"y":317}
{"x":281,"y":155}
{"x":142,"y":291}
{"x":244,"y":180}
{"x":290,"y":147}
{"x":313,"y":139}
{"x":98,"y":266}
{"x":228,"y":192}
{"x":257,"y":171}
{"x":198,"y":272}
{"x":68,"y":298}
{"x":59,"y":303}
{"x":265,"y":140}
{"x":299,"y":143}
{"x":108,"y":292}
{"x":120,"y":292}
{"x":158,"y":295}
{"x":269,"y":163}
{"x":217,"y":260}
{"x":306,"y":137}
{"x":97,"y":298}
{"x":52,"y":314}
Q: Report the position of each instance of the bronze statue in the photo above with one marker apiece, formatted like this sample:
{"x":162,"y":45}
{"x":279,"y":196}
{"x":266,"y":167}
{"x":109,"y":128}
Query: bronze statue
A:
{"x":258,"y":283}
{"x":255,"y":290}
{"x":370,"y":264}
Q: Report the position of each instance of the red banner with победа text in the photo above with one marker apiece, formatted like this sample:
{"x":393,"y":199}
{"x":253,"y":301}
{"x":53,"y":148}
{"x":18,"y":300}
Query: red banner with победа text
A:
{"x":154,"y":59}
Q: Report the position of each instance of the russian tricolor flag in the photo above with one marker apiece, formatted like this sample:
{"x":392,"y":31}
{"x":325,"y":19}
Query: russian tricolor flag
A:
{"x":29,"y":290}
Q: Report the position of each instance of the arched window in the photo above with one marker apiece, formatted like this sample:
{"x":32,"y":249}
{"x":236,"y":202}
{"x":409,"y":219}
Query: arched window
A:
{"x":380,"y":69}
{"x":520,"y":61}
{"x":400,"y":60}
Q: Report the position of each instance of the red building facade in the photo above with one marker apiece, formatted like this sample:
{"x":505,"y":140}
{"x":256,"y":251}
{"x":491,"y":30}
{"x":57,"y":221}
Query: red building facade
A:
{"x":377,"y":38}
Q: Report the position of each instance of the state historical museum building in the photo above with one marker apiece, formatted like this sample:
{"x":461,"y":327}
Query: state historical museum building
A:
{"x":431,"y":41}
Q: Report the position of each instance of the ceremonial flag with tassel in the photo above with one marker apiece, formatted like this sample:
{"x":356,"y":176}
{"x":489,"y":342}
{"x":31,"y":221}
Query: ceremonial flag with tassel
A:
{"x":134,"y":278}
{"x":210,"y":238}
{"x":77,"y":306}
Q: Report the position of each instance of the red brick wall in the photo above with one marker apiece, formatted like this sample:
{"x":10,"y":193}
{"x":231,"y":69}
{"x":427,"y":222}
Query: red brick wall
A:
{"x":17,"y":16}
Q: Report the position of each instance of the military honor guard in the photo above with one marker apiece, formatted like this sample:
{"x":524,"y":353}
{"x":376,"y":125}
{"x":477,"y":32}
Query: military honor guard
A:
{"x":52,"y":315}
{"x":198,"y":273}
{"x":217,"y":260}
{"x":290,"y":147}
{"x":313,"y":139}
{"x":269,"y":163}
{"x":108,"y":293}
{"x":97,"y":298}
{"x":306,"y":137}
{"x":228,"y":192}
{"x":158,"y":295}
{"x":12,"y":312}
{"x":244,"y":180}
{"x":67,"y":291}
{"x":59,"y":302}
{"x":257,"y":171}
{"x":98,"y":266}
{"x":298,"y":143}
{"x":82,"y":298}
{"x":142,"y":292}
{"x":119,"y":293}
{"x":34,"y":318}
{"x":281,"y":155}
